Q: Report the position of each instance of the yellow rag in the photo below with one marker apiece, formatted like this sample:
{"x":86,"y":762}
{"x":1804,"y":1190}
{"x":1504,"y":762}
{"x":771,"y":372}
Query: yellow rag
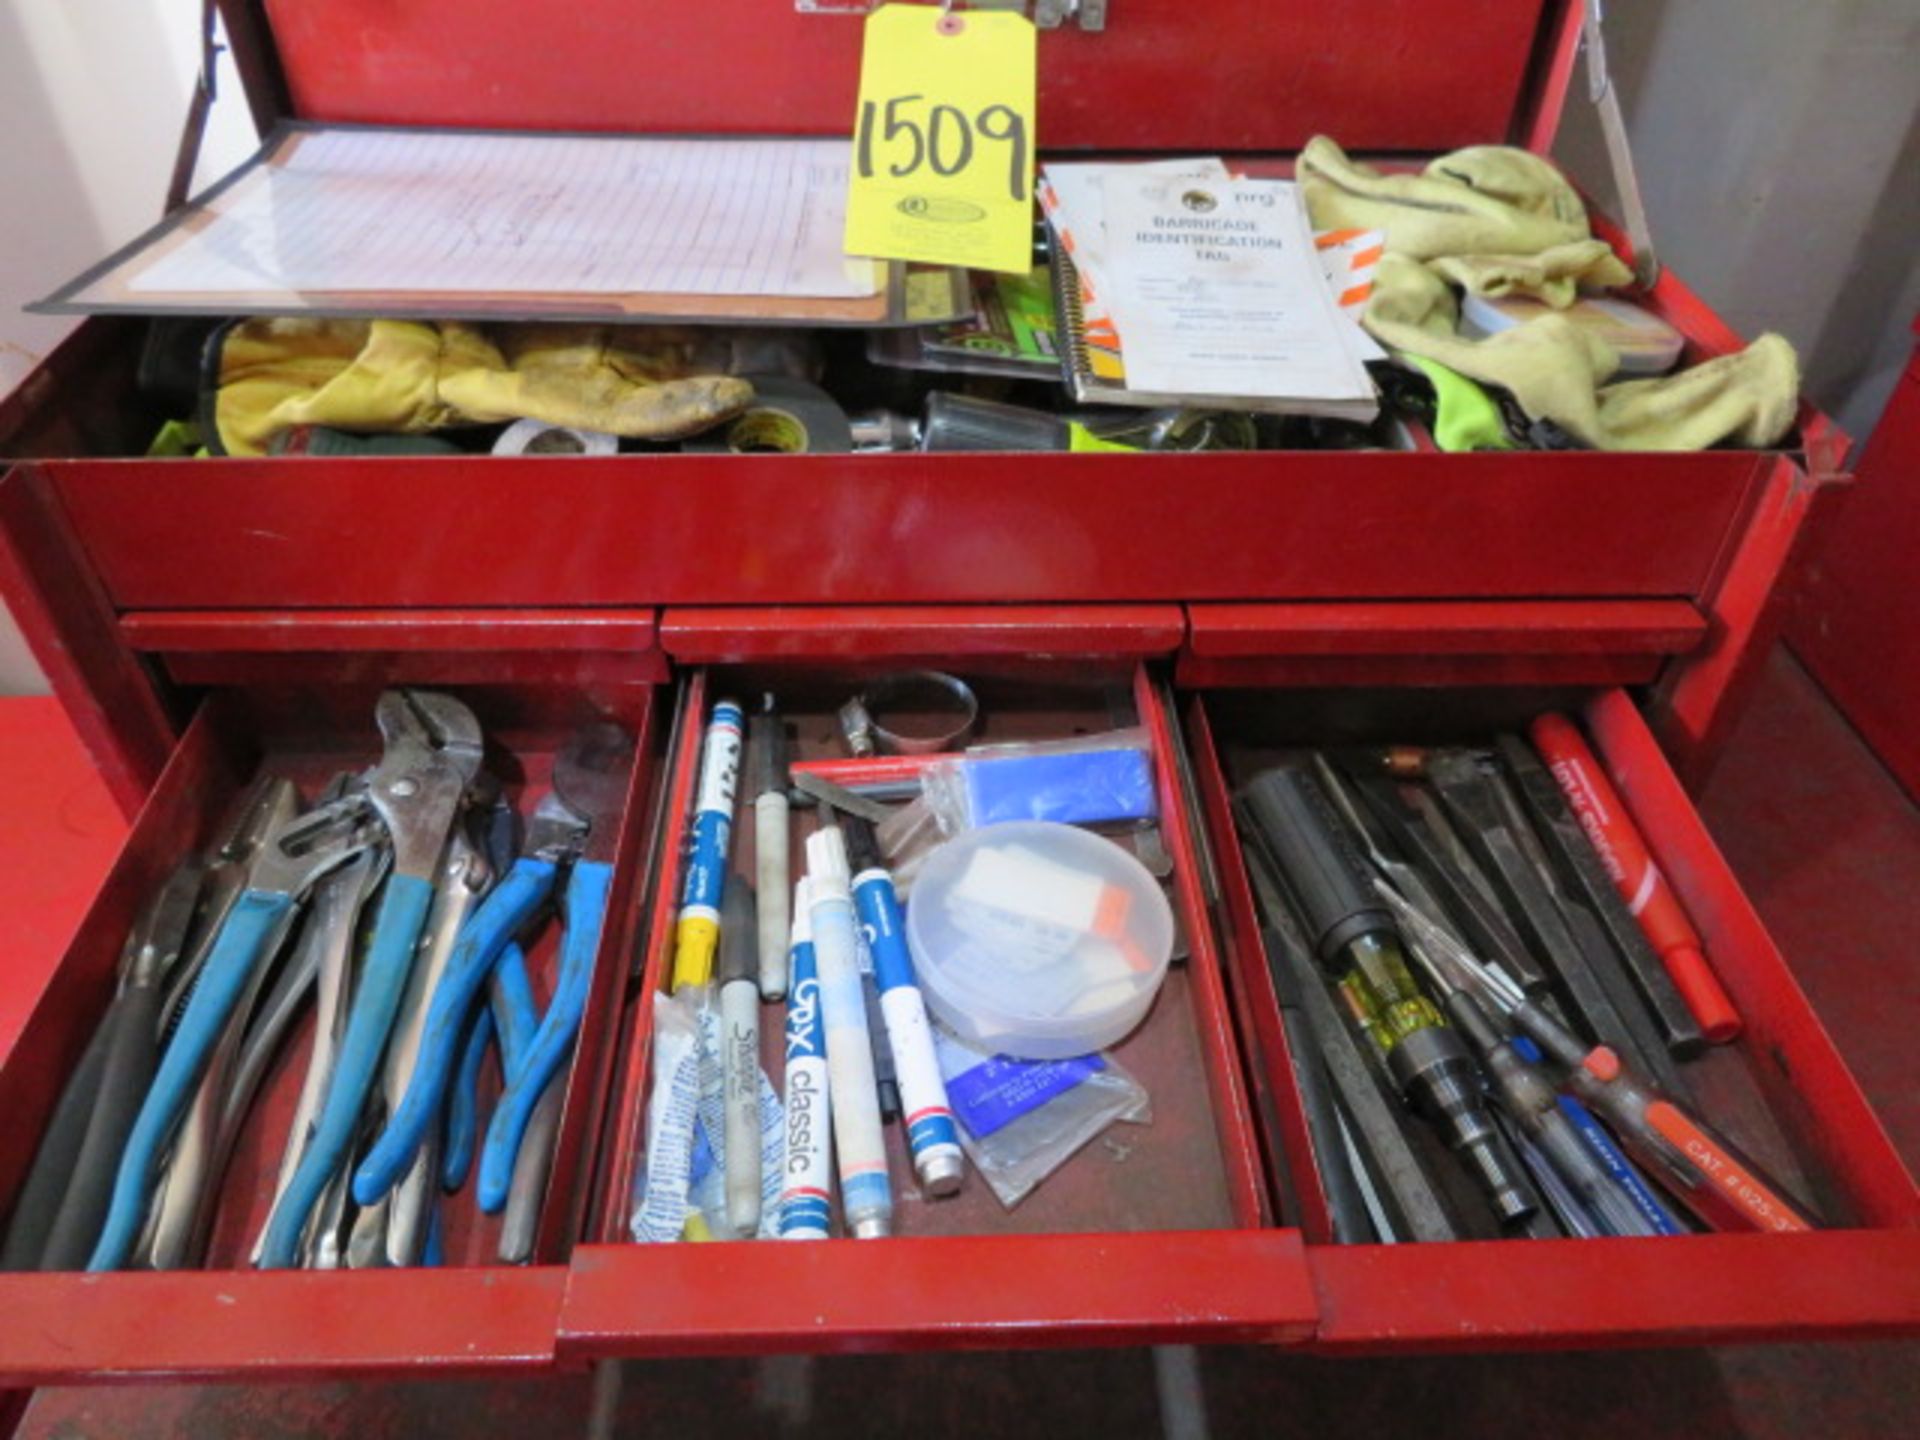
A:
{"x":1488,"y":200}
{"x":1559,"y":371}
{"x":1500,"y":221}
{"x":406,"y":377}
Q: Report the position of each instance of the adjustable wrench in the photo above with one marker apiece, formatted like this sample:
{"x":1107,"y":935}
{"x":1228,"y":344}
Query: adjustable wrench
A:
{"x":433,"y":752}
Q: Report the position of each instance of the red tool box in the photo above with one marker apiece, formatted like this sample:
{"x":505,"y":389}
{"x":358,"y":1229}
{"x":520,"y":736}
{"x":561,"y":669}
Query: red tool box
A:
{"x":196,"y":615}
{"x":1857,"y":589}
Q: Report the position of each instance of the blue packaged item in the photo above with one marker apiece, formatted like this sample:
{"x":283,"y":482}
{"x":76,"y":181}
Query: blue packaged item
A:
{"x":993,"y":1094}
{"x":1020,"y":1120}
{"x":1097,"y":780}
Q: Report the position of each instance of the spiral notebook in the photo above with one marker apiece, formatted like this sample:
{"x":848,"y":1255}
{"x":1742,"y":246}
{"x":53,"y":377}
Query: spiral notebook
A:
{"x":1210,"y":282}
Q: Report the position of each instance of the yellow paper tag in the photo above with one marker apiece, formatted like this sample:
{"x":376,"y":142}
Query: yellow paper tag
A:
{"x":943,"y":139}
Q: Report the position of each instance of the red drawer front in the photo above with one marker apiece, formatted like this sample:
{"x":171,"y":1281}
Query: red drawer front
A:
{"x":1567,"y":1293}
{"x":233,"y":1322}
{"x":421,"y":647}
{"x":1170,"y":1242}
{"x":937,"y":634}
{"x":956,"y":1292}
{"x":1436,"y":643}
{"x":699,"y":530}
{"x":282,"y":1326}
{"x":1579,"y":1294}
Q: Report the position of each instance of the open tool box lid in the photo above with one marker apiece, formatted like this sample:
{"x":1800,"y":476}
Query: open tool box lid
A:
{"x":1711,"y":530}
{"x":1409,"y":76}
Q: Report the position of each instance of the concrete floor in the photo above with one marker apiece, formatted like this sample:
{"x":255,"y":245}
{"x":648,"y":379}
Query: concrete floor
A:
{"x":1827,"y":846}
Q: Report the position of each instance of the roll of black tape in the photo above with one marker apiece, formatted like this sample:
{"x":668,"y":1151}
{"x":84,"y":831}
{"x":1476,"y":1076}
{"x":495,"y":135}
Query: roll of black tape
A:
{"x":787,"y":417}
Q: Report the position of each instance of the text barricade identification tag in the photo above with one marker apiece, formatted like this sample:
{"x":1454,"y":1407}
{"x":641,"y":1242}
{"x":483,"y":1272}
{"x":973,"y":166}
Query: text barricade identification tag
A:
{"x":943,"y":139}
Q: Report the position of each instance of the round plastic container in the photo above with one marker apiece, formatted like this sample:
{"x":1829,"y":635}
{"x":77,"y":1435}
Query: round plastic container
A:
{"x":1038,"y":940}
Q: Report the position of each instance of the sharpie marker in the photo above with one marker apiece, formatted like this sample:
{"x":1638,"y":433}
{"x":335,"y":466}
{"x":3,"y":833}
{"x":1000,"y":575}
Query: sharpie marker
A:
{"x":923,"y":1094}
{"x":740,"y":1058}
{"x":1603,"y":815}
{"x":866,"y":1196}
{"x":698,"y":932}
{"x":806,"y":1199}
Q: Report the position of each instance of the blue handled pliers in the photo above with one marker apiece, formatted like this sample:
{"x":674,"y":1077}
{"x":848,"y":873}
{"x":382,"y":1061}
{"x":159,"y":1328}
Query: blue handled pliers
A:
{"x":433,"y":752}
{"x":508,"y":1020}
{"x":295,"y":852}
{"x":573,"y":828}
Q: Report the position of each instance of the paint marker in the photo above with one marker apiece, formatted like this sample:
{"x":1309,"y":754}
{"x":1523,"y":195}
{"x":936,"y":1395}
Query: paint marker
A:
{"x":1603,"y":815}
{"x":767,"y":743}
{"x":806,"y":1200}
{"x":866,"y":1197}
{"x":931,"y":1135}
{"x":698,"y":932}
{"x":740,"y":1058}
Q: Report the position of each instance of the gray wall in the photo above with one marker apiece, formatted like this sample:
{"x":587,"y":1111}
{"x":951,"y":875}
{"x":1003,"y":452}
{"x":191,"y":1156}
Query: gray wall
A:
{"x":1778,"y":147}
{"x":92,"y":96}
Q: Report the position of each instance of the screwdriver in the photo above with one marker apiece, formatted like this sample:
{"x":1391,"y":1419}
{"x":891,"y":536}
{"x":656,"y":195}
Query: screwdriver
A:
{"x":1353,"y":937}
{"x":1530,"y":1098}
{"x":1706,"y":1173}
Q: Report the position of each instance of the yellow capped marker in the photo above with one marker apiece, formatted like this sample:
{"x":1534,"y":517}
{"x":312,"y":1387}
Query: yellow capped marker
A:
{"x":697,"y":934}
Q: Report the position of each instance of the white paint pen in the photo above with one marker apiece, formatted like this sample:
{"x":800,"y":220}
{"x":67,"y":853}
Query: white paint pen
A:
{"x":767,"y":745}
{"x":806,"y":1191}
{"x":866,"y":1197}
{"x":931,"y":1135}
{"x":740,"y":1058}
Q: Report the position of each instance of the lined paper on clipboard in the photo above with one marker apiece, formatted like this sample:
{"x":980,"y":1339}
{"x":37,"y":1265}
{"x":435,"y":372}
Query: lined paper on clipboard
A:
{"x":479,"y":224}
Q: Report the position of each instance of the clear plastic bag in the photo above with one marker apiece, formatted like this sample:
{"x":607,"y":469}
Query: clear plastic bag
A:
{"x":1021,"y":1120}
{"x":1088,"y":780}
{"x":660,"y":1205}
{"x":683,"y":1173}
{"x":906,"y":837}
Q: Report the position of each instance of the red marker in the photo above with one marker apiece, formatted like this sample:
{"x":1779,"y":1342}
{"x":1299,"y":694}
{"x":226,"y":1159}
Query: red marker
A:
{"x":1604,"y":817}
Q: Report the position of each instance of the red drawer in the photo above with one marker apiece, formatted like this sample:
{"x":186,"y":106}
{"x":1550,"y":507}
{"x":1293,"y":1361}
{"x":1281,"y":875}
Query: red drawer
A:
{"x":1166,"y":1236}
{"x":1853,"y":1279}
{"x":1436,"y":643}
{"x":229,"y":1321}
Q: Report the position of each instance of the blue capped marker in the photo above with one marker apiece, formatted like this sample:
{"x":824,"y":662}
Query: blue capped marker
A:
{"x":697,"y":934}
{"x":931,"y":1134}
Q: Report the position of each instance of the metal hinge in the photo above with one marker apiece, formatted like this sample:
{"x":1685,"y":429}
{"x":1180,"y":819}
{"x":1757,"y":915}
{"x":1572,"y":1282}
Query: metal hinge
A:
{"x":1047,"y":14}
{"x":199,"y":106}
{"x":1613,"y":129}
